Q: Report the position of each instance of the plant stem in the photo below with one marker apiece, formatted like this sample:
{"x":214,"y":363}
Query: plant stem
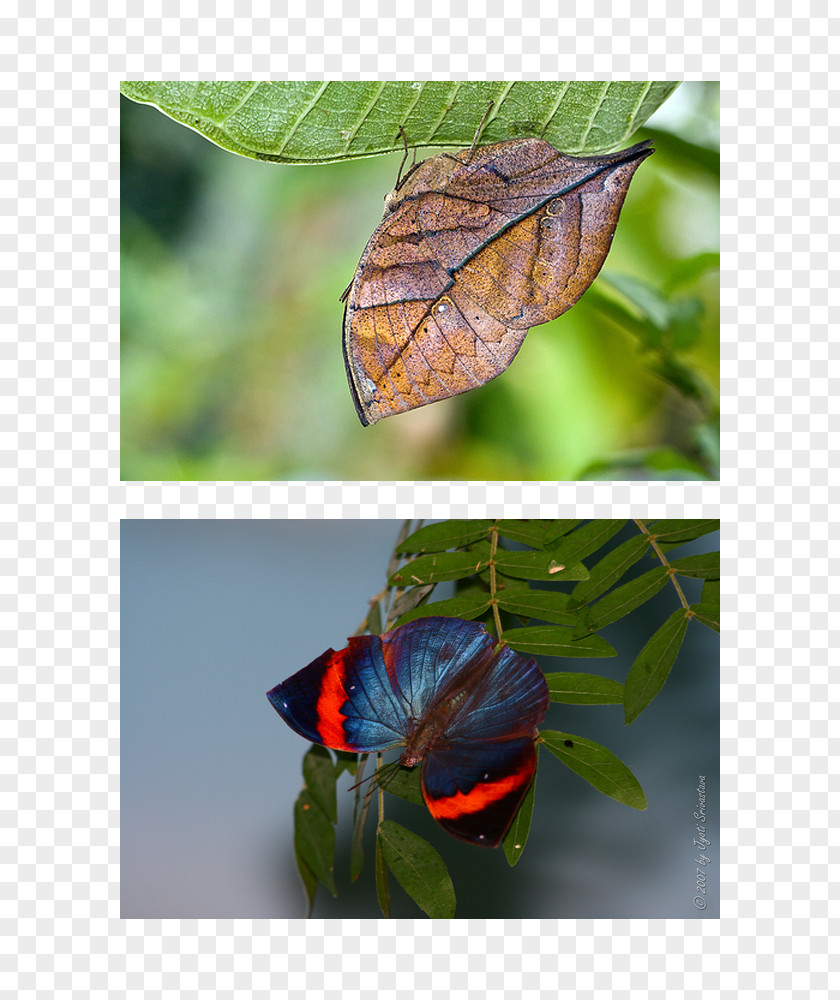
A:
{"x":494,"y":542}
{"x":664,"y":562}
{"x":374,"y":600}
{"x":380,"y":791}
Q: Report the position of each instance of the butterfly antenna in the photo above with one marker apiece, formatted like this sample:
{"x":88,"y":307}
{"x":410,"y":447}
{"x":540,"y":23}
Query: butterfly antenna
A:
{"x":478,"y":131}
{"x":399,"y":172}
{"x":374,"y":774}
{"x":380,"y":778}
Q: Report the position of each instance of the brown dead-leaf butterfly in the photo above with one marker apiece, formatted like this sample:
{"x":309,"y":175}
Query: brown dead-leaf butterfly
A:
{"x":474,"y":249}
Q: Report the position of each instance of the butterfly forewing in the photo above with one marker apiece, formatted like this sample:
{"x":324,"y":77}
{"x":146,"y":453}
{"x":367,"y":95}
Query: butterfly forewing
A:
{"x":343,"y":700}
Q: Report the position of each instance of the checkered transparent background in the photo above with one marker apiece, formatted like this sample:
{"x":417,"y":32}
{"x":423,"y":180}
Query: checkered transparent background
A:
{"x":63,"y":501}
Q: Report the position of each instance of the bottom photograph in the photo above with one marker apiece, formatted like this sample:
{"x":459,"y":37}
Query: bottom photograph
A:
{"x":464,"y":718}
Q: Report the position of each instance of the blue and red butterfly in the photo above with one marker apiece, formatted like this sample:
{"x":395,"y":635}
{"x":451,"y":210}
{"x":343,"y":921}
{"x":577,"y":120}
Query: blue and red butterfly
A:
{"x":463,"y":707}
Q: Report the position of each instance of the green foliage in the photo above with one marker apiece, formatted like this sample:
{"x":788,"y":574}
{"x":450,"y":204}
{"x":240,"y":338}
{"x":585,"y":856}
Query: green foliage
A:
{"x":651,"y":667}
{"x":514,"y":840}
{"x":597,"y":765}
{"x":231,"y":271}
{"x":315,"y":840}
{"x":478,"y":556}
{"x":418,"y":868}
{"x":584,"y":689}
{"x":302,"y":122}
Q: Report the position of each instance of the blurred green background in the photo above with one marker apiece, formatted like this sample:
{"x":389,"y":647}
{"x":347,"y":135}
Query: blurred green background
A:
{"x":232,"y":367}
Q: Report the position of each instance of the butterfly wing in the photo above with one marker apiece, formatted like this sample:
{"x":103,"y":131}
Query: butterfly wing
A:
{"x":475,"y":779}
{"x":344,"y":700}
{"x":429,"y":655}
{"x":366,"y":697}
{"x":377,"y":692}
{"x":474,"y":788}
{"x":511,"y":701}
{"x":475,"y":249}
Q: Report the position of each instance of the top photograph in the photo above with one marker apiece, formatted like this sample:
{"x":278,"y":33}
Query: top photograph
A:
{"x":420,"y":281}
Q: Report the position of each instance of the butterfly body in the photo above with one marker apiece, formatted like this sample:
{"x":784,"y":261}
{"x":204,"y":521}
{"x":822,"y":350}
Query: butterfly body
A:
{"x":462,"y":707}
{"x":474,"y":248}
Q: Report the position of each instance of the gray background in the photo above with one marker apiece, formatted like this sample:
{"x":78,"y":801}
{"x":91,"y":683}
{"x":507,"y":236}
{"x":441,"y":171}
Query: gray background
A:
{"x":214,"y":613}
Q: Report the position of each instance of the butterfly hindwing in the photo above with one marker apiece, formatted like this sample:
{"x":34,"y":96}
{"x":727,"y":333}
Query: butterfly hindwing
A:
{"x":474,"y":789}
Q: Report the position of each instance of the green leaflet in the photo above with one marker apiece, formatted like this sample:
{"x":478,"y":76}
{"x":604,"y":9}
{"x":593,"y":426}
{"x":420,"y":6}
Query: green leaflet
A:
{"x":598,"y":765}
{"x":418,"y":868}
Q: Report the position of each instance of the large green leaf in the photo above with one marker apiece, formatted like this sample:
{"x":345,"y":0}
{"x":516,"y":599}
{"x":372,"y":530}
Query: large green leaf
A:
{"x":539,"y":534}
{"x":584,"y":689}
{"x":599,"y":766}
{"x":404,"y":782}
{"x":315,"y":839}
{"x":705,"y":565}
{"x":514,"y":840}
{"x":437,"y":567}
{"x":309,"y":881}
{"x":683,"y":530}
{"x":315,"y":122}
{"x":651,"y":667}
{"x":446,"y":535}
{"x":320,"y":775}
{"x":554,"y":640}
{"x":418,"y":868}
{"x":709,"y":614}
{"x":468,"y":605}
{"x":711,"y":593}
{"x":587,"y":539}
{"x":547,"y":605}
{"x":623,"y":600}
{"x":610,"y":569}
{"x":538,"y":566}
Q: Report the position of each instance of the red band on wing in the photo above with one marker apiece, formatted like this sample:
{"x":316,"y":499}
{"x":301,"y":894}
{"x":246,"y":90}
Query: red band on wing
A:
{"x":482,"y":795}
{"x":330,"y":700}
{"x":390,"y":664}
